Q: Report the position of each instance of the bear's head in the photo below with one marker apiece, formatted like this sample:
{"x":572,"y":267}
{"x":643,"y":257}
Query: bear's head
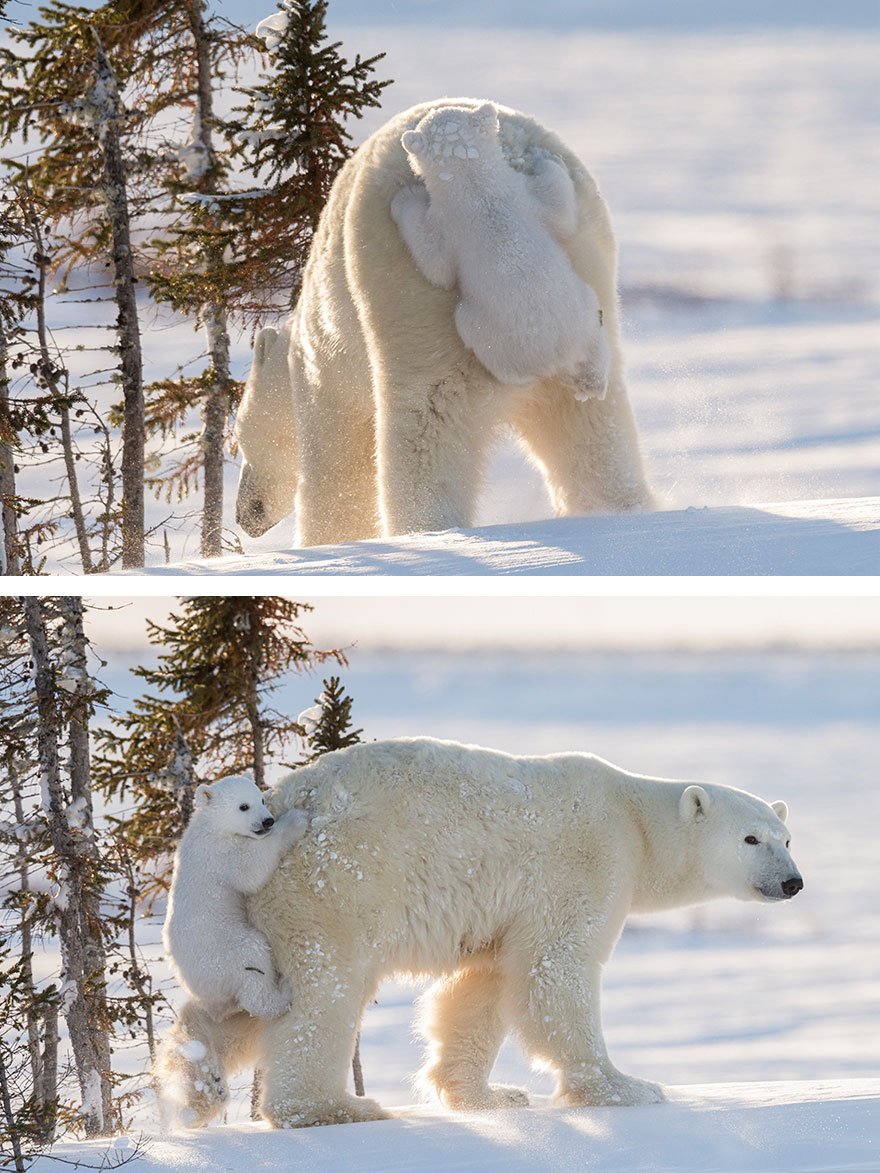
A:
{"x":233,"y":806}
{"x":742,"y":843}
{"x":449,"y":139}
{"x":265,"y":433}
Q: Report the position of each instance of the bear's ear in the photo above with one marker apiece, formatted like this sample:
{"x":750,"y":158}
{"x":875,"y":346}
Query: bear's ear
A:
{"x":203,"y":794}
{"x":780,"y":809}
{"x":694,"y":803}
{"x":413,"y":142}
{"x":486,"y":118}
{"x":263,"y":345}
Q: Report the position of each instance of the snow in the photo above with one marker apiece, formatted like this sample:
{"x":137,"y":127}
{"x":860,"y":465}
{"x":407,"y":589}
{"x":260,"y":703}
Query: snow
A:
{"x":831,"y":537}
{"x":272,"y":28}
{"x":193,"y":155}
{"x":747,"y":1128}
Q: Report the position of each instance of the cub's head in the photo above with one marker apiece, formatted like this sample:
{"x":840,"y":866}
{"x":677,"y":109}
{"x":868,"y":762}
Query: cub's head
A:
{"x":265,"y":432}
{"x":234,"y":806}
{"x":452,"y":138}
{"x":742,"y":843}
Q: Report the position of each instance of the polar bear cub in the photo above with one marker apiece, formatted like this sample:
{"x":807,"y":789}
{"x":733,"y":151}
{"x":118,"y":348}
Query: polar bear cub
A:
{"x":497,"y":233}
{"x":228,"y":851}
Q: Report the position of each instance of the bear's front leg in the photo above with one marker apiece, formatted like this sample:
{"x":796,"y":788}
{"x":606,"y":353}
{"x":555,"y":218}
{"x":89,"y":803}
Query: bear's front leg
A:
{"x":560,"y":1026}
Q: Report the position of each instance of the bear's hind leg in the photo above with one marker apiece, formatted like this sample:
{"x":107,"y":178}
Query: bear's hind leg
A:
{"x":588,"y":451}
{"x":460,"y":1017}
{"x":432,"y":442}
{"x":195,"y":1059}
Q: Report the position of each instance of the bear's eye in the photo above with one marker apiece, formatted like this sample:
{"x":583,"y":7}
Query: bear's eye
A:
{"x":245,"y":806}
{"x":751,"y":840}
{"x":787,"y":844}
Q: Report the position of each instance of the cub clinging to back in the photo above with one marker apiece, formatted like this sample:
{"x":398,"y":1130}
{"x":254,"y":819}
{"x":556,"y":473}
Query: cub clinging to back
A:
{"x":228,"y":851}
{"x":499,"y":233}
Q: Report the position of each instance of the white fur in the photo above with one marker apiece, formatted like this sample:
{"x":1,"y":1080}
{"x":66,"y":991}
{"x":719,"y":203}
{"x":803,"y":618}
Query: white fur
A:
{"x":509,"y":878}
{"x":225,"y":854}
{"x":388,"y":418}
{"x":496,"y":233}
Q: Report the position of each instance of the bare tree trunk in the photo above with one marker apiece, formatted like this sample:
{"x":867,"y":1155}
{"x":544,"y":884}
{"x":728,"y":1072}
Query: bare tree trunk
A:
{"x":81,"y":954}
{"x":11,"y":1128}
{"x":213,"y":316}
{"x":56,"y":386}
{"x":47,"y":1086}
{"x":356,"y":1070}
{"x":256,"y":724}
{"x":214,"y":431}
{"x":80,"y":772}
{"x":128,"y":329}
{"x":8,"y":519}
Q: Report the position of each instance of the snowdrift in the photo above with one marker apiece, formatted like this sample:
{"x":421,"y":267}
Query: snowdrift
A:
{"x":737,"y":1127}
{"x":829,"y":537}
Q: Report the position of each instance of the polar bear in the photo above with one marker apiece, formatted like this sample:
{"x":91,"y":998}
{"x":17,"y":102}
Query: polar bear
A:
{"x":493,"y":232}
{"x":228,"y":851}
{"x":391,"y":417}
{"x":507,"y":877}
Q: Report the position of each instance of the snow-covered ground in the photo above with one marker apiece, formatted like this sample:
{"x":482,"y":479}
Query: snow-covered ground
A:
{"x":836,"y":537}
{"x":760,"y":1019}
{"x":741,"y":170}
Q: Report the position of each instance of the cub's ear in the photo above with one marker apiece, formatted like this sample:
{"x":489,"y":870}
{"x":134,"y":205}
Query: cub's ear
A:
{"x":413,"y":142}
{"x":780,"y":809}
{"x":694,"y":803}
{"x":203,"y":794}
{"x":486,"y":118}
{"x":263,"y":345}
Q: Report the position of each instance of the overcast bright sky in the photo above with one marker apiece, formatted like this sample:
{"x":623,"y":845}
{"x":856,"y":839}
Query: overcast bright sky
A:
{"x":537,"y":622}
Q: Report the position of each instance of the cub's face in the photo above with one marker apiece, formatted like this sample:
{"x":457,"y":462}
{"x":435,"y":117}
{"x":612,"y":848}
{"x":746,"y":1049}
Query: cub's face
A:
{"x":744,"y":844}
{"x":234,"y":806}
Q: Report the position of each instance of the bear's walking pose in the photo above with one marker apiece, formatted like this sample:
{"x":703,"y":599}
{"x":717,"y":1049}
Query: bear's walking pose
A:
{"x":510,"y":879}
{"x":228,"y":851}
{"x":495,"y":233}
{"x":391,"y":415}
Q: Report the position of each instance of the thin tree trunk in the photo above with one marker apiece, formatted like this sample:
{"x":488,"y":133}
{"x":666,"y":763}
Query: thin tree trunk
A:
{"x":213,"y":316}
{"x":47,"y":1086}
{"x":8,"y":519}
{"x":84,"y":989}
{"x":128,"y":330}
{"x":58,"y":392}
{"x":356,"y":1070}
{"x":80,"y":772}
{"x":213,"y":440}
{"x":11,"y":1125}
{"x":32,"y":1017}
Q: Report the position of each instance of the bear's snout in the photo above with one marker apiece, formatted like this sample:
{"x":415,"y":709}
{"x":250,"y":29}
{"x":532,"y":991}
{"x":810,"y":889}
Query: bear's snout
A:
{"x":270,"y":822}
{"x":792,"y":886}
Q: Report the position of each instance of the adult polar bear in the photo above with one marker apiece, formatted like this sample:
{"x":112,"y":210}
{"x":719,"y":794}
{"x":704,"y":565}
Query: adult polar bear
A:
{"x":389,"y":421}
{"x":507,"y":877}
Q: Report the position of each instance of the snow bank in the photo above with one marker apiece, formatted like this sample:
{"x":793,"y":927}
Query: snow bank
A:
{"x":746,"y":1128}
{"x":792,"y":538}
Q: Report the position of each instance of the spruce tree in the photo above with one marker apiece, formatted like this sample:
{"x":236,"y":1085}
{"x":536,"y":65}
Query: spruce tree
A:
{"x":206,"y":714}
{"x":291,"y":134}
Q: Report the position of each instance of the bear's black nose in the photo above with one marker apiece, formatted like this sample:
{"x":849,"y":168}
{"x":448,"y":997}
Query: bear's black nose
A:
{"x":793,"y":886}
{"x":270,"y":822}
